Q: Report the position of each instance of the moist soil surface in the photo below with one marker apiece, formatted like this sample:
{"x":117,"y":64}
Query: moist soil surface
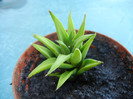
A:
{"x":111,"y":80}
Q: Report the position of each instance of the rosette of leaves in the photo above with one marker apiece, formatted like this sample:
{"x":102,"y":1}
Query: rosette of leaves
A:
{"x":69,"y":54}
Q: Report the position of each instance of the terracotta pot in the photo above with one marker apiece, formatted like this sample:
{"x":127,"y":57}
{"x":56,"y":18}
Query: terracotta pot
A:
{"x":125,"y":56}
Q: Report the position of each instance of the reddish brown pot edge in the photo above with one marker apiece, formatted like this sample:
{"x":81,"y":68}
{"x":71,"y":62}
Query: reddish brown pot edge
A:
{"x":53,"y":36}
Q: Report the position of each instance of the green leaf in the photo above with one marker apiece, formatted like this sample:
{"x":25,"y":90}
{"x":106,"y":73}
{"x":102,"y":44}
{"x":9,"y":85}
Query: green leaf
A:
{"x":57,"y":74}
{"x":81,"y":29}
{"x":61,"y":32}
{"x":46,"y":65}
{"x":51,"y":45}
{"x":64,"y":49}
{"x":76,"y":57}
{"x":85,"y":62}
{"x":66,"y":66}
{"x":78,"y":41}
{"x":86,"y":46}
{"x":87,"y":65}
{"x":71,"y":29}
{"x":43,"y":50}
{"x":43,"y":66}
{"x":60,"y":59}
{"x":70,"y":40}
{"x":64,"y":77}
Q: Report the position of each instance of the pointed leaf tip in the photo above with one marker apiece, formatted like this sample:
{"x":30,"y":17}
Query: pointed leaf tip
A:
{"x":85,"y":14}
{"x":43,"y":50}
{"x":81,"y":29}
{"x":43,"y":66}
{"x":50,"y":44}
{"x":49,"y":11}
{"x":61,"y":32}
{"x":46,"y":75}
{"x":33,"y":35}
{"x":87,"y":65}
{"x":64,"y":77}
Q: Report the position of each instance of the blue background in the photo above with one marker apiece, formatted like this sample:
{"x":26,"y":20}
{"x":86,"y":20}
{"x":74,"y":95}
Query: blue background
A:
{"x":19,"y":19}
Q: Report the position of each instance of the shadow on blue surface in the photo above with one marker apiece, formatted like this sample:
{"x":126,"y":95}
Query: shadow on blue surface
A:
{"x":14,"y":4}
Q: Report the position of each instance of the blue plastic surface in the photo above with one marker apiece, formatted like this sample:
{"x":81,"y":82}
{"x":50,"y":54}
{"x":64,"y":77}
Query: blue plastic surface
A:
{"x":19,"y":19}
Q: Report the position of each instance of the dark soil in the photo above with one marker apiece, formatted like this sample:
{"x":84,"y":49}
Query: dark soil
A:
{"x":111,"y":80}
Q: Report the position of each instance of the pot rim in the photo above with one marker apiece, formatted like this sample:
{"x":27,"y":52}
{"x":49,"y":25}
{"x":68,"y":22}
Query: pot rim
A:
{"x":115,"y":42}
{"x":13,"y":78}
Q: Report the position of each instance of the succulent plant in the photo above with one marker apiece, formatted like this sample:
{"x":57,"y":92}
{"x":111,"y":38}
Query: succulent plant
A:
{"x":69,"y":54}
